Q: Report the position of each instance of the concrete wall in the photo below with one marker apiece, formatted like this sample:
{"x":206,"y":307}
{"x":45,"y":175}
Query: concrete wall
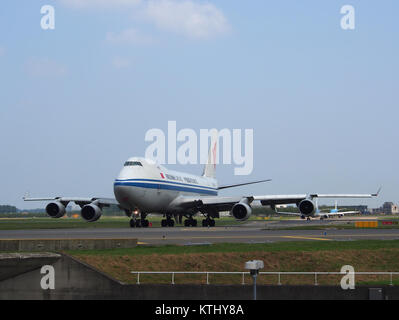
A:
{"x":75,"y":280}
{"x":31,"y":245}
{"x":13,"y":264}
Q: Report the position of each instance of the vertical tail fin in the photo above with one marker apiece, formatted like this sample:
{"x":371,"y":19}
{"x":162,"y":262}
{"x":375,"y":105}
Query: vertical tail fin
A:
{"x":210,"y":167}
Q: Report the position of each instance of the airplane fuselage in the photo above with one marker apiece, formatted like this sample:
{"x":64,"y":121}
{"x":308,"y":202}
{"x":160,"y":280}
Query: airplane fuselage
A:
{"x":151,"y":188}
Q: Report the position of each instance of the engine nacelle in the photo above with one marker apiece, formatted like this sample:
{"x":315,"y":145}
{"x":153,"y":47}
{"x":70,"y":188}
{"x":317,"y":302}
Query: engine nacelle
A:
{"x":306,"y":207}
{"x":91,"y":212}
{"x":241,"y":211}
{"x":55,"y":210}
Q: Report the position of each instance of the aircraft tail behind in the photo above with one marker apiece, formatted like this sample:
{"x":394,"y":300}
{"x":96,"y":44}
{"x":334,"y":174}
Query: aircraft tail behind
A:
{"x":210,"y":167}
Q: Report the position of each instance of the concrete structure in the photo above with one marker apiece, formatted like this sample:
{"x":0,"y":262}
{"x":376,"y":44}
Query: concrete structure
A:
{"x":390,"y":208}
{"x":31,"y":245}
{"x":76,"y":280}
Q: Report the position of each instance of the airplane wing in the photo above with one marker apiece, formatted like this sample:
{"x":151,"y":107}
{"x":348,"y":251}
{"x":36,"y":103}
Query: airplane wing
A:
{"x":105,"y":202}
{"x":202,"y":203}
{"x":243,"y":184}
{"x":297,"y":214}
{"x":342,"y":213}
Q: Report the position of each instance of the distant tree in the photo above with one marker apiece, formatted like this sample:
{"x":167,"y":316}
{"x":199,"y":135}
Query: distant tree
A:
{"x":8,"y":209}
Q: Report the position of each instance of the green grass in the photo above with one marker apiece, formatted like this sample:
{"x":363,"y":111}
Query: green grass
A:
{"x":364,"y":255}
{"x":243,"y":247}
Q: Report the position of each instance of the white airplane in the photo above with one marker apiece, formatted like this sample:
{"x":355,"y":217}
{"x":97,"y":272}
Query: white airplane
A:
{"x":144,"y":187}
{"x":323,"y":215}
{"x":333,"y":212}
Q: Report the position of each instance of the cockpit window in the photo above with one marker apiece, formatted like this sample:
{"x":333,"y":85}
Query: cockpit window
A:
{"x":133,"y":163}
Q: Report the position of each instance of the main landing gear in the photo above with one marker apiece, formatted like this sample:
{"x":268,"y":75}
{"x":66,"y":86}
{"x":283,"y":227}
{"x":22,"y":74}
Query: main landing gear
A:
{"x":140,"y":223}
{"x":208,"y":222}
{"x":168,"y":222}
{"x":190,"y":222}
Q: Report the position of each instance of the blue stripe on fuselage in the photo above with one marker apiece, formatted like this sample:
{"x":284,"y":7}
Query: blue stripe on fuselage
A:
{"x":165,"y":187}
{"x":166,"y":181}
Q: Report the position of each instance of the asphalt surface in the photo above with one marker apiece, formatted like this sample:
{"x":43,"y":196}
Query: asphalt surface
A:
{"x":250,"y":233}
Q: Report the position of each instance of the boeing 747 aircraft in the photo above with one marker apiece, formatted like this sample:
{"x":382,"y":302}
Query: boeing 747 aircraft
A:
{"x":144,"y":187}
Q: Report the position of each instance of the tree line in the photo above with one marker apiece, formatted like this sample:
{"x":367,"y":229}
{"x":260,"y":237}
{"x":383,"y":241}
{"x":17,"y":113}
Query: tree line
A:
{"x":8,"y":209}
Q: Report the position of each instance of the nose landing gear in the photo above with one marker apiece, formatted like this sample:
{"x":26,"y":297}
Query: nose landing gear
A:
{"x":139,"y":223}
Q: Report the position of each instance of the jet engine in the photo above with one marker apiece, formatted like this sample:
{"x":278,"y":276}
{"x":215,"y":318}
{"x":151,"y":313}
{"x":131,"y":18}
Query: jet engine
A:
{"x":241,"y":211}
{"x":306,"y":207}
{"x":55,"y":209}
{"x":91,"y":212}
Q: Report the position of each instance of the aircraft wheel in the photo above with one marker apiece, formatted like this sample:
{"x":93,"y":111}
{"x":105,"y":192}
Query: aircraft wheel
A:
{"x":132,"y":223}
{"x":190,"y":222}
{"x":145,"y":223}
{"x":205,"y":222}
{"x":164,"y":223}
{"x":138,"y":223}
{"x":170,"y":223}
{"x":212,"y":223}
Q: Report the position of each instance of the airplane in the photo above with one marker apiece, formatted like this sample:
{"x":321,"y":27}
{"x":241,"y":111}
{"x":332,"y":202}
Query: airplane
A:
{"x":145,"y":187}
{"x":333,"y":212}
{"x":321,"y":214}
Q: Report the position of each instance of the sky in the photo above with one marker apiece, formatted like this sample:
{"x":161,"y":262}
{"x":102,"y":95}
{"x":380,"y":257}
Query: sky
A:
{"x":77,"y":101}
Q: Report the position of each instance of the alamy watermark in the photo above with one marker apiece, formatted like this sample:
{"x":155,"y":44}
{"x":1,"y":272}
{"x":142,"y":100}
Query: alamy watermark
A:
{"x":348,"y":280}
{"x":47,"y":282}
{"x":348,"y":20}
{"x":164,"y":148}
{"x":47,"y":21}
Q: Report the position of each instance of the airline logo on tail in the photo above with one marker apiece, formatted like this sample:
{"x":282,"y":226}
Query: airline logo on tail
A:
{"x":214,"y":155}
{"x":210,"y":167}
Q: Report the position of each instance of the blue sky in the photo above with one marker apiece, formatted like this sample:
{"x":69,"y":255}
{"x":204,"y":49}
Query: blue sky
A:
{"x":76,"y":101}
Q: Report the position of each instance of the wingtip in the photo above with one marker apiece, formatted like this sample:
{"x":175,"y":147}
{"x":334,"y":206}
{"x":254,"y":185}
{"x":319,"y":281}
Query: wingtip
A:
{"x":377,"y":193}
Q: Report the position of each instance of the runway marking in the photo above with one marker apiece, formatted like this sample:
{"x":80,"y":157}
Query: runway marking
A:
{"x":365,"y":235}
{"x":148,"y":237}
{"x":202,"y":229}
{"x":142,"y":242}
{"x":307,"y":238}
{"x":223,"y":237}
{"x":310,"y":237}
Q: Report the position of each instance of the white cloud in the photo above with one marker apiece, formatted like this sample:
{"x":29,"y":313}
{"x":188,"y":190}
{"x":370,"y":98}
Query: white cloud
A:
{"x":82,"y":4}
{"x":120,"y":63}
{"x":45,"y":67}
{"x":128,"y":36}
{"x":192,"y":19}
